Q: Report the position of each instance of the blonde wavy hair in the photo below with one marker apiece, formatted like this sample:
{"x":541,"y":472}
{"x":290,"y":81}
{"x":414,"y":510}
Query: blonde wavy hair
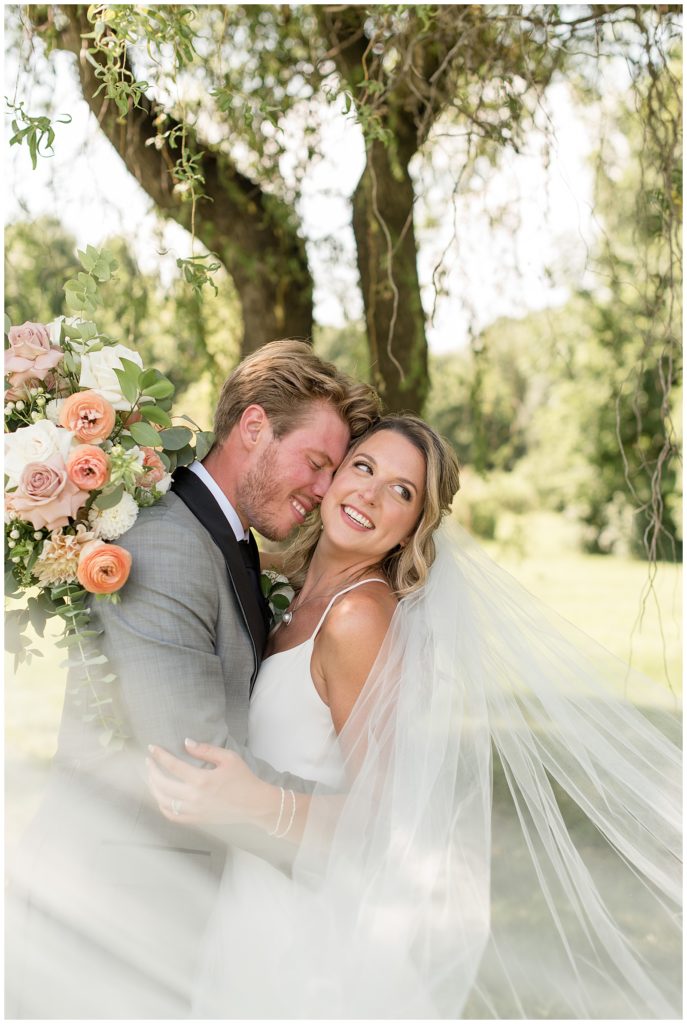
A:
{"x":405,"y":567}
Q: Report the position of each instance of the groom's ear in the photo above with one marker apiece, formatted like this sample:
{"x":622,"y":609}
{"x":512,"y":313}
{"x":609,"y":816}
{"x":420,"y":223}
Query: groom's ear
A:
{"x":254,"y":427}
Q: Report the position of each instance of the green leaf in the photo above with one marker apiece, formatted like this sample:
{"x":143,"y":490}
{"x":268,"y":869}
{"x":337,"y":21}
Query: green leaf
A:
{"x":86,"y":259}
{"x":126,"y":442}
{"x":149,"y":377}
{"x":143,"y":433}
{"x":37,"y":615}
{"x":108,"y":499}
{"x":280,"y":601}
{"x":85,"y":331}
{"x":129,"y":387}
{"x":160,"y":389}
{"x":185,"y":455}
{"x":153,"y":414}
{"x":204,"y":442}
{"x":132,"y":368}
{"x":8,"y":324}
{"x":175,"y":438}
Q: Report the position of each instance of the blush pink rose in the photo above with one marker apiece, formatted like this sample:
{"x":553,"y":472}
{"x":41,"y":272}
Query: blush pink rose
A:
{"x":88,"y":467}
{"x":103,"y":568}
{"x":88,"y":415}
{"x":153,"y":466}
{"x":30,"y":355}
{"x":45,"y":496}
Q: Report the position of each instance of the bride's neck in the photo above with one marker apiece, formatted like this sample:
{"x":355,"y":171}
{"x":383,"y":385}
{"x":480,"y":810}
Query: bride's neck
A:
{"x":329,"y":569}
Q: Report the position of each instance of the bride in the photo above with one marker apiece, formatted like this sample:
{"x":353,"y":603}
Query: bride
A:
{"x":494,"y":831}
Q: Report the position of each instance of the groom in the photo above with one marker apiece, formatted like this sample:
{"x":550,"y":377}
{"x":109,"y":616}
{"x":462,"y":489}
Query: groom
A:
{"x":110,"y":899}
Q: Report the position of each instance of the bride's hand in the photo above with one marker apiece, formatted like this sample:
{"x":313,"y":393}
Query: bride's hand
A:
{"x":226,"y":794}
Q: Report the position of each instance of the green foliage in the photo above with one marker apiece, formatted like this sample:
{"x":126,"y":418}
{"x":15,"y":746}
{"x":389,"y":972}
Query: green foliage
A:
{"x":346,"y":347}
{"x":191,"y":341}
{"x":36,"y":132}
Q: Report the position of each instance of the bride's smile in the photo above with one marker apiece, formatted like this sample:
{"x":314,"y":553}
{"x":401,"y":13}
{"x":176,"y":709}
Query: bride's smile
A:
{"x":376,"y":496}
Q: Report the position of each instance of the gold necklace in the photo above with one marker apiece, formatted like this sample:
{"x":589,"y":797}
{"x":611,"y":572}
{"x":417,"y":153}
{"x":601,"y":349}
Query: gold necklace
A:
{"x":288,"y":615}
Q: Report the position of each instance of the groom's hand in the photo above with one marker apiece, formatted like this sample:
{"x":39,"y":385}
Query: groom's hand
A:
{"x":228,"y":793}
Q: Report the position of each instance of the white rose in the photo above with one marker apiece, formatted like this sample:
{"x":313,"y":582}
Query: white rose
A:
{"x":98,"y":372}
{"x":36,"y":443}
{"x":162,"y":486}
{"x":55,"y":328}
{"x":53,"y":409}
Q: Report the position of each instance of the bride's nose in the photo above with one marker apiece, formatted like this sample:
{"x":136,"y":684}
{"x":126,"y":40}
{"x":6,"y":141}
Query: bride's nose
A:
{"x":368,"y":492}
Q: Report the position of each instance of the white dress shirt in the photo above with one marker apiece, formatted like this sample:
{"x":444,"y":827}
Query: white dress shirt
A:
{"x":218,"y":494}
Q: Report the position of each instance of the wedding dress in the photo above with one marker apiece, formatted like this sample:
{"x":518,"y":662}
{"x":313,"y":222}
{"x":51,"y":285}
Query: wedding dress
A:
{"x":504,"y":841}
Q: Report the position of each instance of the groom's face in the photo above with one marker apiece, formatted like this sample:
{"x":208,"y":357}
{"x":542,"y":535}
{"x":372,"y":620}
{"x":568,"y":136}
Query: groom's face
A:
{"x":290,"y":476}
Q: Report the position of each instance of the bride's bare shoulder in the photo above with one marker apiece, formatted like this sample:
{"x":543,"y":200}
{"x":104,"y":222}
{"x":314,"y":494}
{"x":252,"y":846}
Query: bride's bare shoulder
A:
{"x":360,"y":616}
{"x":348,"y":644}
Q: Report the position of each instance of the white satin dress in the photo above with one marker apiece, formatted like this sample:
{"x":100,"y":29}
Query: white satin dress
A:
{"x":248,"y":945}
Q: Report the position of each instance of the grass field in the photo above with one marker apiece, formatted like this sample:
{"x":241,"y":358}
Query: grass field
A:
{"x":602,"y":596}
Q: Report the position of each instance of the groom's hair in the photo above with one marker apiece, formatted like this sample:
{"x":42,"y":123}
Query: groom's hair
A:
{"x":285,"y":378}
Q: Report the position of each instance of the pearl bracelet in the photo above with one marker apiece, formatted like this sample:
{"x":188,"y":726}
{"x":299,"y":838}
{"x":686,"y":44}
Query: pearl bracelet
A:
{"x":281,"y":811}
{"x":293,"y":815}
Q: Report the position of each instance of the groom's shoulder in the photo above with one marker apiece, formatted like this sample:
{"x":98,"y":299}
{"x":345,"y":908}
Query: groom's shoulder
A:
{"x":168,"y":521}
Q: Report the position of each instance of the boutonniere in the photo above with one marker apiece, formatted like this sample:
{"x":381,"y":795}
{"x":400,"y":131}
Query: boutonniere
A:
{"x":277,"y":591}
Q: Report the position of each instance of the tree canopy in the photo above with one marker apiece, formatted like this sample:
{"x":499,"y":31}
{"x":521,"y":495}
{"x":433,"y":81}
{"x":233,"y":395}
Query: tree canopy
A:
{"x":218,"y":112}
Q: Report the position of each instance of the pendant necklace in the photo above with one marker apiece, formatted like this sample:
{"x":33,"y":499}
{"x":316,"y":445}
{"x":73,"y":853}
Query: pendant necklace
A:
{"x":288,"y":615}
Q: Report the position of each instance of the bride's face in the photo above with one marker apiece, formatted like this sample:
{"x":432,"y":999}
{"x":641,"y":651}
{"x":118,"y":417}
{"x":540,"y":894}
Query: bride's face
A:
{"x":376,"y":497}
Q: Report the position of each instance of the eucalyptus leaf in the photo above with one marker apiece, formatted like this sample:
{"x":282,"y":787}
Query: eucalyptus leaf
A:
{"x":204,"y":442}
{"x":175,"y":438}
{"x":110,"y":498}
{"x":144,"y":434}
{"x":37,"y":615}
{"x":185,"y":456}
{"x":153,"y":414}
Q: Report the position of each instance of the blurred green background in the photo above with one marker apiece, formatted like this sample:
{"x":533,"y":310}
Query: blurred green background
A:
{"x":486,"y":197}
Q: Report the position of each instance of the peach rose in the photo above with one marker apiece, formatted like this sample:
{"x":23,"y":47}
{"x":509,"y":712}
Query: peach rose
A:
{"x":88,"y":467}
{"x":88,"y":415}
{"x":45,"y":496}
{"x":153,"y":466}
{"x":103,"y":568}
{"x":30,"y":355}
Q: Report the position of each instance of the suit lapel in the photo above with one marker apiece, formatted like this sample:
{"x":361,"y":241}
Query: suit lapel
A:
{"x":202,"y":504}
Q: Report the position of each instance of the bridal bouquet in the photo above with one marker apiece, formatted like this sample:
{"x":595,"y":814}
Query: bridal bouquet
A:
{"x":89,"y":441}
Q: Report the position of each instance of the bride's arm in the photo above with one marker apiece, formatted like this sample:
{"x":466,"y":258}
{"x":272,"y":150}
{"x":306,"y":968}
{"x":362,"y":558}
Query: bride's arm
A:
{"x":229,"y":794}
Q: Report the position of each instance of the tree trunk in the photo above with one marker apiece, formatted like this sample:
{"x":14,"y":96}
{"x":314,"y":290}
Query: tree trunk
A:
{"x":253,"y":234}
{"x":387,"y":262}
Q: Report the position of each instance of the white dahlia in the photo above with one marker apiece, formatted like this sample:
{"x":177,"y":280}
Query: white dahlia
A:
{"x":110,"y":523}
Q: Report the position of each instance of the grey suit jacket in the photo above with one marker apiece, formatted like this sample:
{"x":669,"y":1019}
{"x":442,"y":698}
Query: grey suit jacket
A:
{"x":108,"y":889}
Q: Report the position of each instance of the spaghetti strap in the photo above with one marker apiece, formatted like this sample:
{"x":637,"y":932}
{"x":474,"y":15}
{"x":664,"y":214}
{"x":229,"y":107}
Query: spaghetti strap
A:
{"x":372,"y":579}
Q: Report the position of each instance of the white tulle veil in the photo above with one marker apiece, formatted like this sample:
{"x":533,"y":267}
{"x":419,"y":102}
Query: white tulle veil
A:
{"x":510,"y":843}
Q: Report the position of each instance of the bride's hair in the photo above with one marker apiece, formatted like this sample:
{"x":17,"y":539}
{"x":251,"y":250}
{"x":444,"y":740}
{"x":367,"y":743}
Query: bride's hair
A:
{"x":406,"y":567}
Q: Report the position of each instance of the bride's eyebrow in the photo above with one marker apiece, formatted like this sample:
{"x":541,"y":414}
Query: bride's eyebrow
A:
{"x":401,"y":479}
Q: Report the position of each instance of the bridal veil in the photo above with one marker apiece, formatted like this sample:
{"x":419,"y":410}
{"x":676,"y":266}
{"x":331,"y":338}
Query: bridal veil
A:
{"x":509,"y":846}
